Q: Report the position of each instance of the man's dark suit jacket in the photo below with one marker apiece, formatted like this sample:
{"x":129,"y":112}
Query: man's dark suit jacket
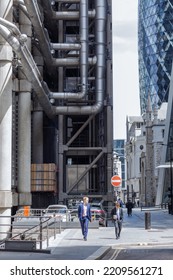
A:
{"x":114,"y":212}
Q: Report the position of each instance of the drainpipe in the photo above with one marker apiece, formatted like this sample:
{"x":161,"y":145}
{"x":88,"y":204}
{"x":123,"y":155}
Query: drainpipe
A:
{"x":6,"y":56}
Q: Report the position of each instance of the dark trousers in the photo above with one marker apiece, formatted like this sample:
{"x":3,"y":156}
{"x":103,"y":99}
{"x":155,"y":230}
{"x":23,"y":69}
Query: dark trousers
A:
{"x":129,"y":211}
{"x":84,"y":226}
{"x":118,"y":227}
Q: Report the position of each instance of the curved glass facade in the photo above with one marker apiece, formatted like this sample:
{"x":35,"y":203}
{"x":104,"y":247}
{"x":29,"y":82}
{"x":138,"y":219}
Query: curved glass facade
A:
{"x":155,"y":43}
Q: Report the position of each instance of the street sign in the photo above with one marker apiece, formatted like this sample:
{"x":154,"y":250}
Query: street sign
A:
{"x":116,"y":181}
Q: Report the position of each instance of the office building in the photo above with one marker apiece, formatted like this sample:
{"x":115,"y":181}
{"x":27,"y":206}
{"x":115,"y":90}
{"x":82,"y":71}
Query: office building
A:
{"x":56,"y":120}
{"x":155,"y":44}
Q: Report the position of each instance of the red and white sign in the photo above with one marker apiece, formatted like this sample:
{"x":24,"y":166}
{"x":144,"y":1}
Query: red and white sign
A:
{"x":116,"y":181}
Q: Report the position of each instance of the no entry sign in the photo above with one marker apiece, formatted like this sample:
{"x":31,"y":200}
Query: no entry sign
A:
{"x":116,"y":181}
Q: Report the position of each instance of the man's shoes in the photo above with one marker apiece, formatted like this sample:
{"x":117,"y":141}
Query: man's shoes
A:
{"x":117,"y":237}
{"x":85,"y":239}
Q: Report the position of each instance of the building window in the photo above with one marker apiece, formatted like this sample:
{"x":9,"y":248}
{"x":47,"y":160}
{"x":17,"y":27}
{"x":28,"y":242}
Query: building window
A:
{"x":163,"y":133}
{"x":138,"y":125}
{"x":140,"y":165}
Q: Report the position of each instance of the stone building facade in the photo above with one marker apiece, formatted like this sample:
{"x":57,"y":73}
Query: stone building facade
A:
{"x":143,"y":154}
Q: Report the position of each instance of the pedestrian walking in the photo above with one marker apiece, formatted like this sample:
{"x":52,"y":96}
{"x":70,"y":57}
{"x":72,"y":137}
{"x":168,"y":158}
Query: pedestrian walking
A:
{"x":117,"y":219}
{"x":129,"y":206}
{"x":84,"y":215}
{"x":120,"y":202}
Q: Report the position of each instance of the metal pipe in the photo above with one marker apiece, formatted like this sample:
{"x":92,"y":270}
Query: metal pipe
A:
{"x":72,"y":15}
{"x":45,"y":45}
{"x":33,"y":74}
{"x":65,"y":46}
{"x":72,"y":61}
{"x":21,"y":5}
{"x":67,"y":1}
{"x":6,"y":125}
{"x":39,"y":29}
{"x":100,"y":30}
{"x":10,"y":26}
{"x":30,"y":69}
{"x":83,"y":57}
{"x":84,"y":46}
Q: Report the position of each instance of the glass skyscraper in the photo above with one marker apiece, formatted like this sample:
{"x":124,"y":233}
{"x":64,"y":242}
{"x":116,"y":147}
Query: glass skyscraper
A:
{"x":155,"y":42}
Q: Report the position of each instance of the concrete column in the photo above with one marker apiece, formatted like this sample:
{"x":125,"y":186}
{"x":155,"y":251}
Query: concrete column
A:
{"x":24,"y":125}
{"x":5,"y":124}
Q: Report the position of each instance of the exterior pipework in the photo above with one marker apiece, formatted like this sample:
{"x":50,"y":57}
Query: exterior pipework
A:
{"x":65,"y":46}
{"x":63,"y":15}
{"x":83,"y":57}
{"x":67,"y":1}
{"x":84,"y":46}
{"x":100,"y":30}
{"x":24,"y":125}
{"x":39,"y":29}
{"x":45,"y":45}
{"x":30,"y":69}
{"x":5,"y":125}
{"x":33,"y":74}
{"x":21,"y":5}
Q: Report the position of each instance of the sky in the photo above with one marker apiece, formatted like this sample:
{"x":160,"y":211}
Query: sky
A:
{"x":125,"y":64}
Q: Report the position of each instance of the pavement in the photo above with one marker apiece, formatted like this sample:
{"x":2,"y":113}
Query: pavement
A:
{"x":69,"y":244}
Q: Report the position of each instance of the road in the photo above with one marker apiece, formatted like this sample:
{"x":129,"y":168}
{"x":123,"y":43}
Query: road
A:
{"x":144,"y":253}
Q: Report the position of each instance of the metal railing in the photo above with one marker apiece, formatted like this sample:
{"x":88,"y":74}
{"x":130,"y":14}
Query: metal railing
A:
{"x":31,"y":228}
{"x":162,"y":206}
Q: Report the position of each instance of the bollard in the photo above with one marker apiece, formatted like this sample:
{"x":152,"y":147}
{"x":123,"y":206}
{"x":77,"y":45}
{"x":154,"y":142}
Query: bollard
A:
{"x":26,"y":211}
{"x":169,"y":208}
{"x":147,"y":220}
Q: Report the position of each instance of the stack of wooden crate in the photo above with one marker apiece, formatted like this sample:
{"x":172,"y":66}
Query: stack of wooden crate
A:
{"x":43,"y":177}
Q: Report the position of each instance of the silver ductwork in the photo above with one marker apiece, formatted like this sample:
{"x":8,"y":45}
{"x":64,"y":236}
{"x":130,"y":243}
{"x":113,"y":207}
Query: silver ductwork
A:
{"x":21,"y":5}
{"x":100,"y":31}
{"x":83,"y":46}
{"x":65,"y":46}
{"x":63,"y":15}
{"x":31,"y":71}
{"x":67,"y":1}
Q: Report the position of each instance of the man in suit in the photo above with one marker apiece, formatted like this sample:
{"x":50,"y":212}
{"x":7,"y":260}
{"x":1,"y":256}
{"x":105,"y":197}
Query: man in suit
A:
{"x":84,"y":215}
{"x":117,"y":218}
{"x":129,"y":206}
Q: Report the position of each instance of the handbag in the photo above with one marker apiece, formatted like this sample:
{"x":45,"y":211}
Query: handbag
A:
{"x":114,"y":217}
